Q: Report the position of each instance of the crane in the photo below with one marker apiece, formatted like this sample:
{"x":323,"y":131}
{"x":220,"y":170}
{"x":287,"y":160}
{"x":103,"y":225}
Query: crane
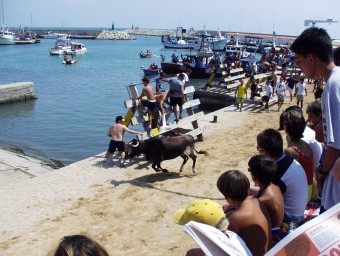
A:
{"x":313,"y":22}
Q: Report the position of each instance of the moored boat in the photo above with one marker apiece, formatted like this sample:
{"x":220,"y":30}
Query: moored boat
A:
{"x":253,"y":44}
{"x":204,"y":62}
{"x":6,"y":37}
{"x":54,"y":35}
{"x":172,"y":68}
{"x":25,"y":40}
{"x":180,"y":43}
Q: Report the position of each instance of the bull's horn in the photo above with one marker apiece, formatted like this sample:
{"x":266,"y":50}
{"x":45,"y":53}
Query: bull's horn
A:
{"x":135,"y":145}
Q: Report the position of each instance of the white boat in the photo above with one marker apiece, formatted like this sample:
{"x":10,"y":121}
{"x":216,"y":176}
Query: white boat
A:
{"x":54,"y":35}
{"x":235,"y":46}
{"x":77,"y":48}
{"x":6,"y":37}
{"x":62,"y":46}
{"x":180,"y":43}
{"x":216,"y":43}
{"x":253,"y":44}
{"x":26,"y":40}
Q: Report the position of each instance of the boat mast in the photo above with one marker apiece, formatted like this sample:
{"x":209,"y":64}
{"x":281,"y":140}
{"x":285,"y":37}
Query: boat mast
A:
{"x":2,"y":13}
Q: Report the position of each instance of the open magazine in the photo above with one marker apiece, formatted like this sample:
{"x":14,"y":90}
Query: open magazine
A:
{"x":319,"y":236}
{"x":214,"y":242}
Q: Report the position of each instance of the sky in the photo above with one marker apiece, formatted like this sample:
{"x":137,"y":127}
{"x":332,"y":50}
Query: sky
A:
{"x":256,"y":16}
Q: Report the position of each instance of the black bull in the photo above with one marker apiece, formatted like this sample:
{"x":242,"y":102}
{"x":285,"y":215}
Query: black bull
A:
{"x":164,"y":148}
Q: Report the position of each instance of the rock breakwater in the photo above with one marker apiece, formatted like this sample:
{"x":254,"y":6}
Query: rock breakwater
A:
{"x":115,"y":35}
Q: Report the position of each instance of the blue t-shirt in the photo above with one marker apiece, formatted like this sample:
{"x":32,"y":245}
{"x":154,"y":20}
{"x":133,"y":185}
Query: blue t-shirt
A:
{"x":176,"y":87}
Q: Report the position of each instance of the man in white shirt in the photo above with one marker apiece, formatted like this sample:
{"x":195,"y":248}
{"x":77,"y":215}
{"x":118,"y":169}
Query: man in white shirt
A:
{"x":300,"y":89}
{"x":269,"y":91}
{"x":280,"y":92}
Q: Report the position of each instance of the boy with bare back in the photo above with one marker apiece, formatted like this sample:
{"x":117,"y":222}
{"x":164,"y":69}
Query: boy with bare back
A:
{"x":247,"y":216}
{"x":262,"y":170}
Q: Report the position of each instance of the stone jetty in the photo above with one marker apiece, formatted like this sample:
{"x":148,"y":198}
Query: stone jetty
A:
{"x":155,"y":32}
{"x":16,"y":92}
{"x":115,"y":35}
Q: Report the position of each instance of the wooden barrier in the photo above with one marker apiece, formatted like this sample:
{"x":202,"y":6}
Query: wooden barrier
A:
{"x":142,"y":118}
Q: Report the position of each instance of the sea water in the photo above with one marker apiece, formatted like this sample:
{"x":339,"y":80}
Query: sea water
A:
{"x":76,"y":103}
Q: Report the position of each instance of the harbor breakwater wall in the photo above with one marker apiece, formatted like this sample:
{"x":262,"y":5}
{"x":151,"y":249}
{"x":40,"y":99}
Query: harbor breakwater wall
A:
{"x":16,"y":92}
{"x":121,"y":34}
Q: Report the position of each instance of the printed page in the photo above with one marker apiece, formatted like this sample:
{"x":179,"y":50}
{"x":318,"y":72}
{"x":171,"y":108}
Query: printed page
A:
{"x":319,"y":236}
{"x":214,"y":242}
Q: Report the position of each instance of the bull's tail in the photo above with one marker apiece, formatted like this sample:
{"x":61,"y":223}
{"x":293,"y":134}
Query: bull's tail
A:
{"x":202,"y":152}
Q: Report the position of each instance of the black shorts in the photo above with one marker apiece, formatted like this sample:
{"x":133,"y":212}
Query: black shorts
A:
{"x":176,"y":101}
{"x":120,"y":145}
{"x":150,"y":105}
{"x":265,"y":98}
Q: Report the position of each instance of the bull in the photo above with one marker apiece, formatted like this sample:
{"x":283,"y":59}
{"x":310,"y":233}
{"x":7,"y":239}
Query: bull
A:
{"x":159,"y":149}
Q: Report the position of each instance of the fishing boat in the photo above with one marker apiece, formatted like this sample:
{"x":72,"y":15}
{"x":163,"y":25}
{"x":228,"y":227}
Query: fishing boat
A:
{"x":61,"y":46}
{"x":6,"y":37}
{"x":77,"y":48}
{"x":234,"y":45}
{"x":174,"y":66}
{"x":25,"y":40}
{"x":254,"y":44}
{"x":25,"y":36}
{"x":179,"y":41}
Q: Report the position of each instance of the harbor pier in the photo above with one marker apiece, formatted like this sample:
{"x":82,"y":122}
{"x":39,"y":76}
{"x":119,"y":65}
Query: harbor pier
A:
{"x":16,"y":92}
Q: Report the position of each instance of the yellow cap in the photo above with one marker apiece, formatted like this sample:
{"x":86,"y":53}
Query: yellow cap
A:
{"x":204,"y":211}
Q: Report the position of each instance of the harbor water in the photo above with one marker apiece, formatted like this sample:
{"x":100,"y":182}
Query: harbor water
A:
{"x":76,"y":103}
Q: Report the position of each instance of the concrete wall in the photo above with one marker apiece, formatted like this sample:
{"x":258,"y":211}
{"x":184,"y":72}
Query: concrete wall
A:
{"x":16,"y":92}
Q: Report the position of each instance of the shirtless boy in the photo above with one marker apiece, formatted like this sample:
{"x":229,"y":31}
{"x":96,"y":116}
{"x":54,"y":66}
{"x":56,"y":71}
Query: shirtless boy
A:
{"x":150,"y":101}
{"x":262,"y":170}
{"x":249,"y":216}
{"x":116,"y":133}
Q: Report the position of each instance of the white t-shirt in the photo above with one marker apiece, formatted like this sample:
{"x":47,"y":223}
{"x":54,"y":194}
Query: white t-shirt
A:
{"x":301,"y":87}
{"x":331,"y":130}
{"x":294,"y":188}
{"x":317,"y":147}
{"x":330,"y":106}
{"x":186,"y":78}
{"x":280,"y":88}
{"x":269,"y":90}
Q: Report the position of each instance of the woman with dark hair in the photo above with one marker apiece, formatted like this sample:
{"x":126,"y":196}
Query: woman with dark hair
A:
{"x":314,"y":114}
{"x":294,"y":126}
{"x":79,"y":245}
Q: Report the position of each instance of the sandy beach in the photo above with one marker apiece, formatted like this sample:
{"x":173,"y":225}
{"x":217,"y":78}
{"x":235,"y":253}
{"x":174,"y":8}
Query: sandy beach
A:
{"x":129,"y":211}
